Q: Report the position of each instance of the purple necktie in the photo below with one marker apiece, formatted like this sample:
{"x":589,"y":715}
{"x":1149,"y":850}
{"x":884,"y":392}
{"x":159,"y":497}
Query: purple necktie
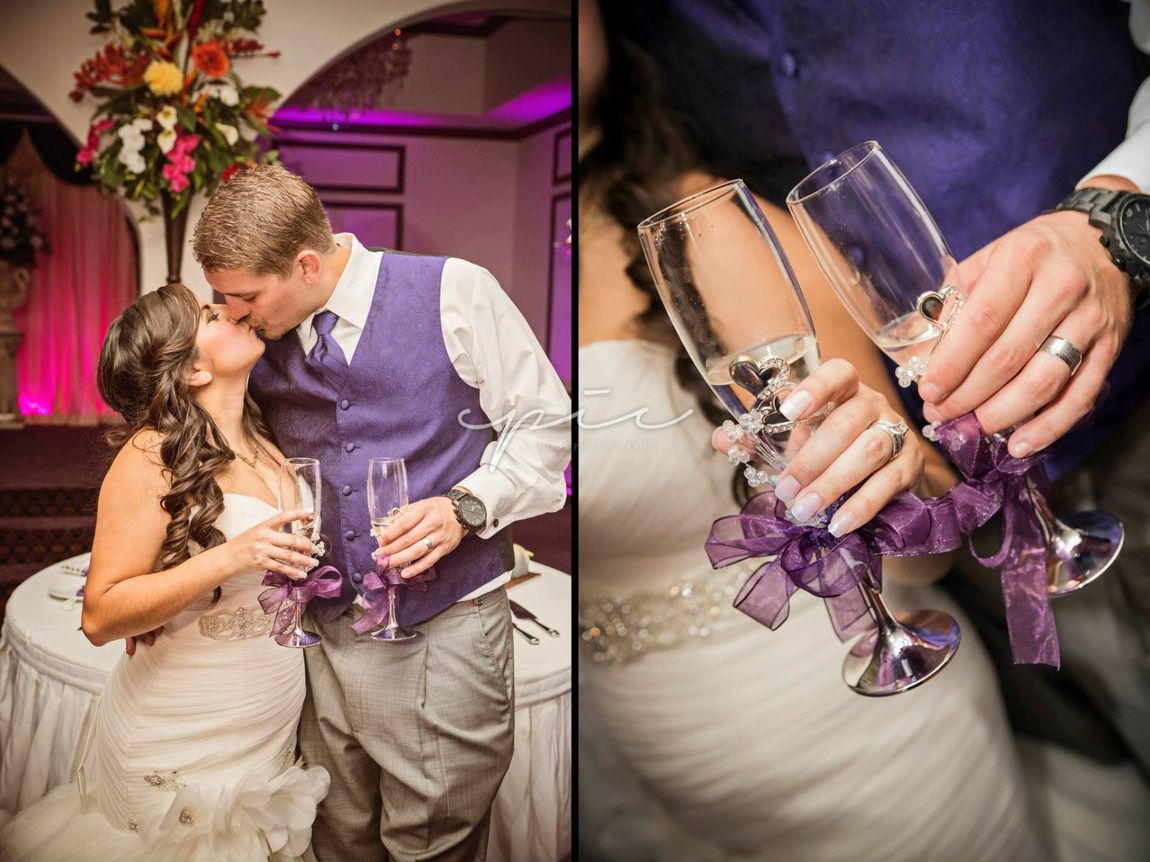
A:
{"x":326,"y":357}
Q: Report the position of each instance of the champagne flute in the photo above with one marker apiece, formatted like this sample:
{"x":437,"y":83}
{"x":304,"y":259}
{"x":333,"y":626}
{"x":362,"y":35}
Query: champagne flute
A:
{"x":299,"y":488}
{"x":386,"y":501}
{"x":739,"y":312}
{"x":889,"y":264}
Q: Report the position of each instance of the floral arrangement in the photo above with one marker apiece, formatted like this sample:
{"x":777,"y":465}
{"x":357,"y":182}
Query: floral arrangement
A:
{"x":174,"y":118}
{"x":20,"y":238}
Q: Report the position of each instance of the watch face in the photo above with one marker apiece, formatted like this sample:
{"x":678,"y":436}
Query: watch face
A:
{"x":1134,"y":222}
{"x":473,"y":511}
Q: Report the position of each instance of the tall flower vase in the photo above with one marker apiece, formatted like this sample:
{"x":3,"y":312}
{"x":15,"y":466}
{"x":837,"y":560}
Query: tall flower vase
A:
{"x":174,"y":229}
{"x":13,"y":292}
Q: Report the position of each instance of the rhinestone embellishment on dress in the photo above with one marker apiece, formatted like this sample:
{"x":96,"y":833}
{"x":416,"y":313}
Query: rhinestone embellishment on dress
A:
{"x":232,"y":625}
{"x":622,"y":628}
{"x":167,"y":780}
{"x":186,"y":816}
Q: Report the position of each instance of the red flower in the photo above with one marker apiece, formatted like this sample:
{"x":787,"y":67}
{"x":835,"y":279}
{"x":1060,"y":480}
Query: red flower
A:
{"x":229,"y":172}
{"x":211,"y":59}
{"x":111,"y":65}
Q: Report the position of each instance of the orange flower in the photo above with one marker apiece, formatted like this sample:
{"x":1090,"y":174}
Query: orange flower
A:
{"x":211,"y":59}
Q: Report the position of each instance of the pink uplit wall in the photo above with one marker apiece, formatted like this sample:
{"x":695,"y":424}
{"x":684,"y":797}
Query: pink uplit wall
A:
{"x":76,"y":291}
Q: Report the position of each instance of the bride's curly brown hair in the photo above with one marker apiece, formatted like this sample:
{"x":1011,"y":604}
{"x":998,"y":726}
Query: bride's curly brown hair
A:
{"x":145,"y":363}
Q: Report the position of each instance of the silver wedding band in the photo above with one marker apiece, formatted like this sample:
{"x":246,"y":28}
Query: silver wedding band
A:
{"x":1064,"y":350}
{"x":896,"y":431}
{"x":429,"y":544}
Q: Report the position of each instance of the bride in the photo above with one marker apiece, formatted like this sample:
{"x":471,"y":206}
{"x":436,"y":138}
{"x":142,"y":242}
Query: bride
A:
{"x":703,"y":735}
{"x":191,"y":754}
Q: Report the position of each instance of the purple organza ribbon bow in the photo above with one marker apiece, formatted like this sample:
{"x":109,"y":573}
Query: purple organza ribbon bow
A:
{"x":285,"y":593}
{"x":810,"y":558}
{"x":377,"y":586}
{"x":994,"y":479}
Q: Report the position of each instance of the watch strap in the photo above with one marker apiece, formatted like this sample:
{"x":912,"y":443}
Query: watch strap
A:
{"x":1098,"y":203}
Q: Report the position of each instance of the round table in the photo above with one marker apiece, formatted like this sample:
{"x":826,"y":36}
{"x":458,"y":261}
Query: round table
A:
{"x":51,"y":676}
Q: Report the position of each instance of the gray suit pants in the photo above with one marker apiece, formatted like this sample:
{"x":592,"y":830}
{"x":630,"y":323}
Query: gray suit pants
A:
{"x":417,"y":735}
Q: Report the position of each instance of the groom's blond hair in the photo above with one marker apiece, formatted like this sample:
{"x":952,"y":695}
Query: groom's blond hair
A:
{"x":258,"y":221}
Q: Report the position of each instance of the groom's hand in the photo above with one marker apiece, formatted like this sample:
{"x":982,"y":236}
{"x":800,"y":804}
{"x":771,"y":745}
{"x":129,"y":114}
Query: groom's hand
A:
{"x":404,"y":541}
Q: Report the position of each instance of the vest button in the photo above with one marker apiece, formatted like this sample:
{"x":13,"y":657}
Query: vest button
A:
{"x":349,"y":535}
{"x":346,"y":490}
{"x":357,"y":578}
{"x":343,"y":405}
{"x":788,"y":65}
{"x":348,"y":447}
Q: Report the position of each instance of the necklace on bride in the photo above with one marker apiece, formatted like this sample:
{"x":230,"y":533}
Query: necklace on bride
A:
{"x":251,"y":462}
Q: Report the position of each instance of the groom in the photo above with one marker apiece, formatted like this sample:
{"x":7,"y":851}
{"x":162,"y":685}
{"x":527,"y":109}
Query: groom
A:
{"x":383,"y":354}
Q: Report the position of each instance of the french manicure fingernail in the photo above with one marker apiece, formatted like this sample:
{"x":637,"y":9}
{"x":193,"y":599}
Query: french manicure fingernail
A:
{"x":842,"y":523}
{"x":930,"y":391}
{"x":931,"y":413}
{"x":805,"y":508}
{"x":787,"y":488}
{"x":1020,"y":449}
{"x":796,"y":404}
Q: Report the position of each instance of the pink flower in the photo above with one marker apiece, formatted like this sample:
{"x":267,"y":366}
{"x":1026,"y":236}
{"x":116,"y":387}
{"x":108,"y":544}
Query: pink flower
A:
{"x":176,"y":178}
{"x":85,"y":156}
{"x":102,"y":126}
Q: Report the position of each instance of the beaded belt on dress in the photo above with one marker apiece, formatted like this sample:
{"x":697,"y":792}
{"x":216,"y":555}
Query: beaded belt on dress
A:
{"x":235,"y":624}
{"x":617,"y":629}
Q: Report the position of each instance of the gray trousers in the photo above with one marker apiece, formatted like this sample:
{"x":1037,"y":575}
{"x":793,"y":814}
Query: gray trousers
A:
{"x":416,"y":735}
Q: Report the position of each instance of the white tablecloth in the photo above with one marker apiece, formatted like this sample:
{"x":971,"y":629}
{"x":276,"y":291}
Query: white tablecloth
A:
{"x":50,"y":677}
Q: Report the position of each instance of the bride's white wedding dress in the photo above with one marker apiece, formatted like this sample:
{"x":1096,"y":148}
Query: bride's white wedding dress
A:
{"x":704,"y":735}
{"x":191,"y":756}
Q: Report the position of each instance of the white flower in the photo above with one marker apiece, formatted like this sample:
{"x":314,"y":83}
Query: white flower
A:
{"x":227,"y":94}
{"x":167,"y":118}
{"x":143,"y":124}
{"x":167,"y":139}
{"x":231,"y":133}
{"x":132,"y":138}
{"x":134,"y":162}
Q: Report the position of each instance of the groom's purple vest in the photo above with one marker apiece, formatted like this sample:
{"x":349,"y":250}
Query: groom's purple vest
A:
{"x":401,"y":398}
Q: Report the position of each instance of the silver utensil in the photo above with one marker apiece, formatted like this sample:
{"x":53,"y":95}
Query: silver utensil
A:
{"x":531,"y":639}
{"x":524,"y":614}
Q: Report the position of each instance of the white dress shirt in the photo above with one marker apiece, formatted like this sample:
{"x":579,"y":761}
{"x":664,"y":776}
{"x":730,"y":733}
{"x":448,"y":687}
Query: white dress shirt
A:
{"x":1131,"y":158}
{"x":493,"y":350}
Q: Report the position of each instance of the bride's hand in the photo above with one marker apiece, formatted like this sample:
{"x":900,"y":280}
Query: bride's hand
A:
{"x":844,"y":451}
{"x":266,"y":546}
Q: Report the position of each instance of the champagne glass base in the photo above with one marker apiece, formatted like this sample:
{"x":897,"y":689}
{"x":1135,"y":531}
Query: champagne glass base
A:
{"x":1081,"y":547}
{"x":906,"y":656}
{"x":299,"y":638}
{"x":393,"y":635}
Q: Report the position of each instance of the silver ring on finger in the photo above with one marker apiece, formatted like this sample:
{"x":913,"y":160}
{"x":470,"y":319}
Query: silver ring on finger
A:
{"x":1065,"y":350}
{"x":896,"y":431}
{"x":429,"y":544}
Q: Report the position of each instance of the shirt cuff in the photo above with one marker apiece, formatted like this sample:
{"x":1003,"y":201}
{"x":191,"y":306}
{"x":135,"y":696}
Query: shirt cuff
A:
{"x":1131,"y":159}
{"x":495,"y":491}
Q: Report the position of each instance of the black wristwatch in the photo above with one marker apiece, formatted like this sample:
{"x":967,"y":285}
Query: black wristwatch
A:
{"x":1124,"y":219}
{"x":469,"y":510}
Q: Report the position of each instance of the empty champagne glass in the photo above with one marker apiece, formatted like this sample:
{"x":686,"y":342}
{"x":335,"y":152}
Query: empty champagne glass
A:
{"x":738,"y":310}
{"x":890,"y":266}
{"x":299,"y":488}
{"x":386,"y":501}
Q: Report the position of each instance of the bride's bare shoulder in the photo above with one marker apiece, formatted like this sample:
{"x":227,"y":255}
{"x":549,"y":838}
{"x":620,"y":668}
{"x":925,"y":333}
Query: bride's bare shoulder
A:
{"x":138,"y":467}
